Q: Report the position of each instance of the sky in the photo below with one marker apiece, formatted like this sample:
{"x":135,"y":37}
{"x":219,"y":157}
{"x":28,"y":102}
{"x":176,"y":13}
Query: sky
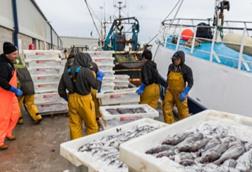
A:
{"x":71,"y":17}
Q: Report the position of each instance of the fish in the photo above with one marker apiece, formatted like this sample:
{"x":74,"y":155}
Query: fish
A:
{"x":185,"y":159}
{"x":186,"y":144}
{"x":167,"y":153}
{"x":158,"y":149}
{"x":214,"y":153}
{"x":233,"y":152}
{"x":194,"y":147}
{"x":176,"y":139}
{"x":244,"y":162}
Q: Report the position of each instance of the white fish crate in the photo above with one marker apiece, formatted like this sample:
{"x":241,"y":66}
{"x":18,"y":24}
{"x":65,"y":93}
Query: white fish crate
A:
{"x":41,"y":71}
{"x":101,"y":53}
{"x":133,"y":152}
{"x":45,"y":78}
{"x":107,"y":87}
{"x":104,"y":60}
{"x":69,"y":150}
{"x":46,"y":98}
{"x":41,"y":54}
{"x":117,"y":119}
{"x":108,"y":79}
{"x":105,"y":67}
{"x":121,"y":83}
{"x":124,"y":96}
{"x":44,"y":63}
{"x":109,"y":73}
{"x":46,"y":87}
{"x":50,"y":108}
{"x":122,"y":77}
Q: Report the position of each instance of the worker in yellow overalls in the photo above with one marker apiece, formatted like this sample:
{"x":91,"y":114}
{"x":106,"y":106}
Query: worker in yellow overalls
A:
{"x":75,"y":87}
{"x":151,"y":80}
{"x":180,"y":82}
{"x":27,"y":101}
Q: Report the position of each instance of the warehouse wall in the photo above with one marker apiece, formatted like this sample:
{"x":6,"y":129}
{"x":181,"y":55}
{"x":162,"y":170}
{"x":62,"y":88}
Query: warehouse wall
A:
{"x":33,"y":25}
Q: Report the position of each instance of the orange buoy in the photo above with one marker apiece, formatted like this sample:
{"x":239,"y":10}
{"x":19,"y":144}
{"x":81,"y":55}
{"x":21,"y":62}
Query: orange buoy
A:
{"x":187,"y":34}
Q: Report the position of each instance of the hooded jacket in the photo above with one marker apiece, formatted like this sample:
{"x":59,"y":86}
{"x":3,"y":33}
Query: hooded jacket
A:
{"x":184,"y":69}
{"x":25,"y":81}
{"x":150,"y":75}
{"x":6,"y":71}
{"x":78,"y":78}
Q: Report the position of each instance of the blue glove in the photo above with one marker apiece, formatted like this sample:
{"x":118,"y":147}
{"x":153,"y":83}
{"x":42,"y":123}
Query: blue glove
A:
{"x":184,"y":94}
{"x":140,"y":89}
{"x":17,"y":91}
{"x":100,"y":75}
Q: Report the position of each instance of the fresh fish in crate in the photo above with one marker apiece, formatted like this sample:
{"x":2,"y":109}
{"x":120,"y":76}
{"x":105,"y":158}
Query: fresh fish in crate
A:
{"x":176,"y":139}
{"x":185,"y":159}
{"x":106,"y":148}
{"x":194,"y":146}
{"x":233,"y":152}
{"x":189,"y":141}
{"x":159,"y":149}
{"x":214,"y":153}
{"x":168,"y":153}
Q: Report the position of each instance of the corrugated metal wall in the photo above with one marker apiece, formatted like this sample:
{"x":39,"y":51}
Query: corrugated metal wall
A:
{"x":33,"y":26}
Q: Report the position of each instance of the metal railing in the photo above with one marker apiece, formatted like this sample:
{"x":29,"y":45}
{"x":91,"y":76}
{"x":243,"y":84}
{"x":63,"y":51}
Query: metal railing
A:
{"x":173,"y":28}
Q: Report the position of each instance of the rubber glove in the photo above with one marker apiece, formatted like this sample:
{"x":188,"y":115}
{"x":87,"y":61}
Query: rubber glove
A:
{"x":17,"y":91}
{"x":140,"y":89}
{"x":184,"y":94}
{"x":100,"y":75}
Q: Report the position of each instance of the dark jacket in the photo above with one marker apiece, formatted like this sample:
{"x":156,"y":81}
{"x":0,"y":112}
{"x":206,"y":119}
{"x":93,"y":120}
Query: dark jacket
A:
{"x":25,"y":80}
{"x":185,"y":70}
{"x":69,"y":63}
{"x":6,"y":71}
{"x":150,"y":75}
{"x":79,"y":78}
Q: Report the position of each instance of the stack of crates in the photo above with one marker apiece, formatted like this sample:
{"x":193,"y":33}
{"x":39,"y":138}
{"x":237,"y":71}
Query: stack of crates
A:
{"x":105,"y":63}
{"x":46,"y":68}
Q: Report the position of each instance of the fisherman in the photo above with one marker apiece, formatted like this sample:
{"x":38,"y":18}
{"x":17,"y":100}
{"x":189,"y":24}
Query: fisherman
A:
{"x":78,"y":81}
{"x":180,"y":82}
{"x":9,"y":108}
{"x":151,"y":80}
{"x":26,"y":85}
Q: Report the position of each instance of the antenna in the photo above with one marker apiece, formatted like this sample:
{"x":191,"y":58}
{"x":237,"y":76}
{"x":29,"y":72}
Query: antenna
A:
{"x":120,"y":7}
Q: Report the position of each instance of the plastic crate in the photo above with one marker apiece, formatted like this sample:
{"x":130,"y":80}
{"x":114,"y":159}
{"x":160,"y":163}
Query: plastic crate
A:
{"x":107,"y":87}
{"x":109,"y":73}
{"x":122,"y":77}
{"x":46,"y":87}
{"x":104,"y":60}
{"x":105,"y":67}
{"x":44,"y":63}
{"x":69,"y":149}
{"x":101,"y":53}
{"x":111,"y":120}
{"x":124,"y":96}
{"x":58,"y":107}
{"x":133,"y":152}
{"x":41,"y":71}
{"x":45,"y":78}
{"x":41,"y":54}
{"x":46,"y":98}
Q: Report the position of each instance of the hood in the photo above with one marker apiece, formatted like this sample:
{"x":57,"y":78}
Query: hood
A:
{"x":83,"y":60}
{"x":179,"y":54}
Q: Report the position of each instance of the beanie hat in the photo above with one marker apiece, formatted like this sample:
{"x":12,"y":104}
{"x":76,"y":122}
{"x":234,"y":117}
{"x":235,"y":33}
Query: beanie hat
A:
{"x":9,"y":48}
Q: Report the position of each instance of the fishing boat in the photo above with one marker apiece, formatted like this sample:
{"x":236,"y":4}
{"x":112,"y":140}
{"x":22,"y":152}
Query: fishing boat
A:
{"x":219,"y":52}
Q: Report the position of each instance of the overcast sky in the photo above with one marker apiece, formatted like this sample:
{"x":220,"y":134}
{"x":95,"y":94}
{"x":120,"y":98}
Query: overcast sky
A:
{"x":71,"y":17}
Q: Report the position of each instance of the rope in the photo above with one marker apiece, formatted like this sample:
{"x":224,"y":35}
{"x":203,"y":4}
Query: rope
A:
{"x":92,"y":17}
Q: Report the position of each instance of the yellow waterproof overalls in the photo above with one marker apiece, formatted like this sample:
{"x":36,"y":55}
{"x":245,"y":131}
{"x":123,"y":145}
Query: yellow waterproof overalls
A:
{"x":81,"y":109}
{"x":176,"y":85}
{"x":151,"y":95}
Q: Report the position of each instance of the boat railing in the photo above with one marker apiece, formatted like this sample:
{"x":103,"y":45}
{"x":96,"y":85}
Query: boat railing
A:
{"x":173,"y":28}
